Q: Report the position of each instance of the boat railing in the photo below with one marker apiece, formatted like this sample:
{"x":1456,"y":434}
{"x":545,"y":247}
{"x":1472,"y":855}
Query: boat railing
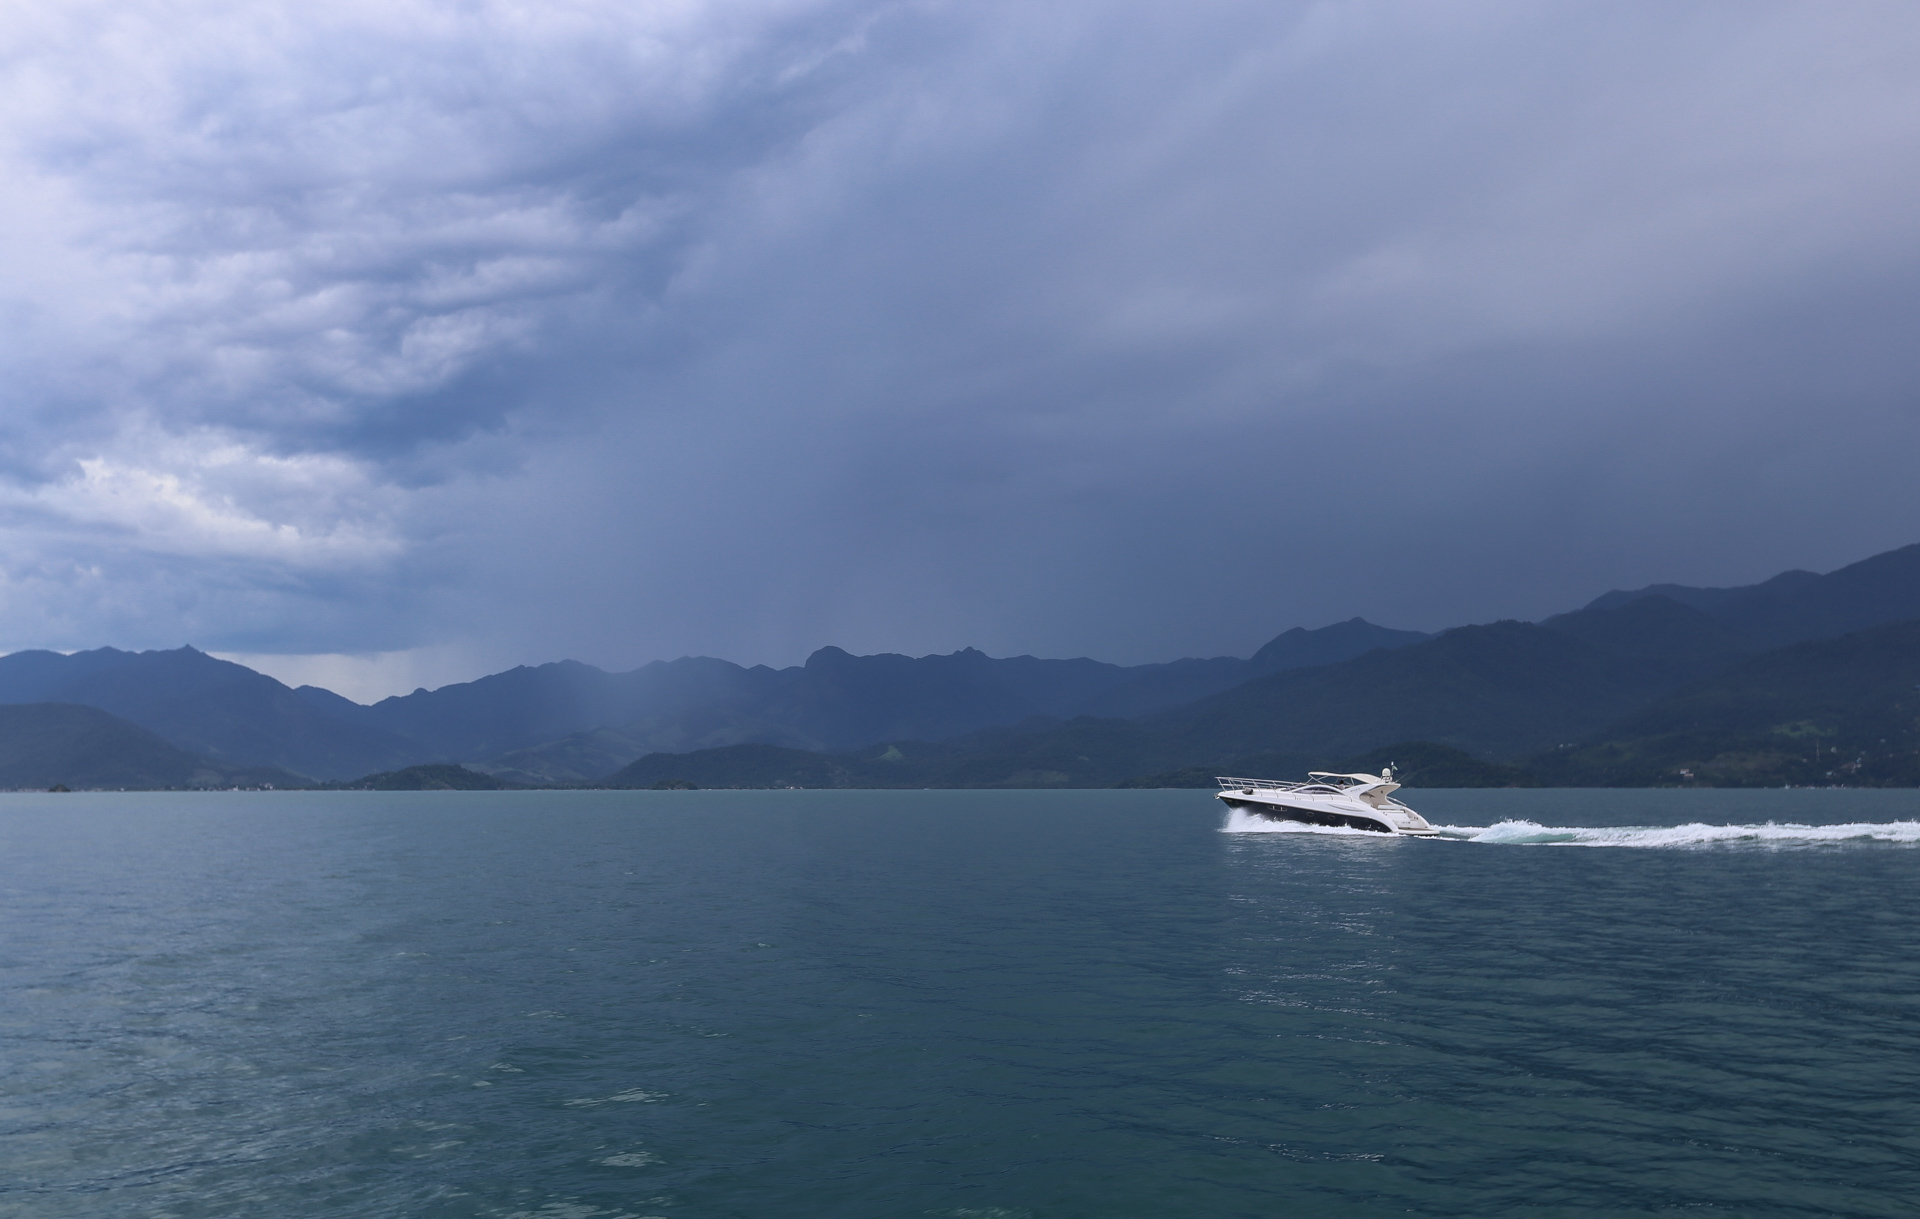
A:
{"x":1228,"y":783}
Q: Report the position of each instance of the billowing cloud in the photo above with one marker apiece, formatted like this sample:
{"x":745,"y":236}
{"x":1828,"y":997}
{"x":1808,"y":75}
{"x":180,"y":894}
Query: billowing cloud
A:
{"x":622,"y":331}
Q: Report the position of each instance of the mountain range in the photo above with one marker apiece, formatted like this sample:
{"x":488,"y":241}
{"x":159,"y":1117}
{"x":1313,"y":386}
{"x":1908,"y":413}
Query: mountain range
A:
{"x":571,"y":722}
{"x":1602,"y":694}
{"x":1592,"y":697}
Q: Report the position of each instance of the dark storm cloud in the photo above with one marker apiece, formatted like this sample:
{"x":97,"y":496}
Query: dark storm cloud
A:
{"x":1118,"y":329}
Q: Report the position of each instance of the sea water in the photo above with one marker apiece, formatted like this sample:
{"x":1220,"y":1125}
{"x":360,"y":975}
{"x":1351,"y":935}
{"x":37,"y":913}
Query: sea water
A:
{"x":590,"y":1005}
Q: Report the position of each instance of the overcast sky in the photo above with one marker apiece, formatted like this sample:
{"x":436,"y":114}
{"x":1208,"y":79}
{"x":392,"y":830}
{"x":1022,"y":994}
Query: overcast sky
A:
{"x":391,"y":343}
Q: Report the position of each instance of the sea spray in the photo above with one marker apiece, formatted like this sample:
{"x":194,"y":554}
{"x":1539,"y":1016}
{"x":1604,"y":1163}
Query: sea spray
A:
{"x":1692,"y":835}
{"x":1695,"y":835}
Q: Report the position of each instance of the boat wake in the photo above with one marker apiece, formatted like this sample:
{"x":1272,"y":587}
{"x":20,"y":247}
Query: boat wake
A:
{"x":1694,"y":835}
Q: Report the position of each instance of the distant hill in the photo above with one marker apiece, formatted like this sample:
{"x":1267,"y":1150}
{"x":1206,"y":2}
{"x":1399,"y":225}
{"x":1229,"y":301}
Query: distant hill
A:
{"x":205,"y":705}
{"x":1799,"y":605}
{"x":44,"y":744}
{"x":1843,"y":711}
{"x":579,"y":758}
{"x":1083,"y":752}
{"x":847,"y":701}
{"x":428,"y":778}
{"x":752,"y":766}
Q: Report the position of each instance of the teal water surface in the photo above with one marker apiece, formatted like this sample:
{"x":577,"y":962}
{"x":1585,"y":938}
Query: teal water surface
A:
{"x":588,"y":1005}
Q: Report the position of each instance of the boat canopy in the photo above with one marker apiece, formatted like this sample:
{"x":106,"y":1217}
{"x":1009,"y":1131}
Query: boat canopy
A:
{"x":1370,"y":788}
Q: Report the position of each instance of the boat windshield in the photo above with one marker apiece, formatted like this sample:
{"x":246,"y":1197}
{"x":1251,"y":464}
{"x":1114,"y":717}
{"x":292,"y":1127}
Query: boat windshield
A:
{"x":1342,"y":780}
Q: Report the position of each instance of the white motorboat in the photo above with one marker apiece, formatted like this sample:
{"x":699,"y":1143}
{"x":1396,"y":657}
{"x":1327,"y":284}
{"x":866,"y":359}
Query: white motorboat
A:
{"x":1360,"y":802}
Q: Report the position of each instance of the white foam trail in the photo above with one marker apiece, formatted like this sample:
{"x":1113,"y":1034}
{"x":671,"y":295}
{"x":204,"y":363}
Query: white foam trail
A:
{"x":1693,"y":834}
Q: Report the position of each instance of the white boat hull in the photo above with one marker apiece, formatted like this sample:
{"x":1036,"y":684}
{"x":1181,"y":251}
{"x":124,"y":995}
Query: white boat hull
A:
{"x":1335,"y":811}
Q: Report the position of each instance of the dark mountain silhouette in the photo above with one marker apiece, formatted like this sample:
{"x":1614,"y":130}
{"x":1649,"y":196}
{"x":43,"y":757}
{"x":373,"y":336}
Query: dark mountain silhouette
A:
{"x":1083,"y":752}
{"x":584,"y":756}
{"x":847,"y":701}
{"x":1304,"y":649}
{"x":1152,"y":688}
{"x":1488,"y":692}
{"x":329,"y":702}
{"x":533,"y":704}
{"x":567,"y":722}
{"x":743,"y":766}
{"x":1657,"y":628}
{"x":838,"y":701}
{"x":581,"y":757}
{"x":1148,"y":688}
{"x":432,"y":777}
{"x":227,"y":711}
{"x":44,"y":744}
{"x":977,"y":764}
{"x":1843,"y":710}
{"x":1834,"y":711}
{"x":1799,"y":605}
{"x":1496,"y":691}
{"x":550,"y":720}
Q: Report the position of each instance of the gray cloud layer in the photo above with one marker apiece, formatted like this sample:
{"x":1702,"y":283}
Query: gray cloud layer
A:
{"x":1134,"y":330}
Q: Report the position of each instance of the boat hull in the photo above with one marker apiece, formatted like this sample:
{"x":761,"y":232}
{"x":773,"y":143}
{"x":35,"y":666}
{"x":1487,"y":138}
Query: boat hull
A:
{"x":1331,"y":818}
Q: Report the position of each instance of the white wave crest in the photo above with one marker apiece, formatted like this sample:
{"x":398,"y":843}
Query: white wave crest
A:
{"x":1693,"y":834}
